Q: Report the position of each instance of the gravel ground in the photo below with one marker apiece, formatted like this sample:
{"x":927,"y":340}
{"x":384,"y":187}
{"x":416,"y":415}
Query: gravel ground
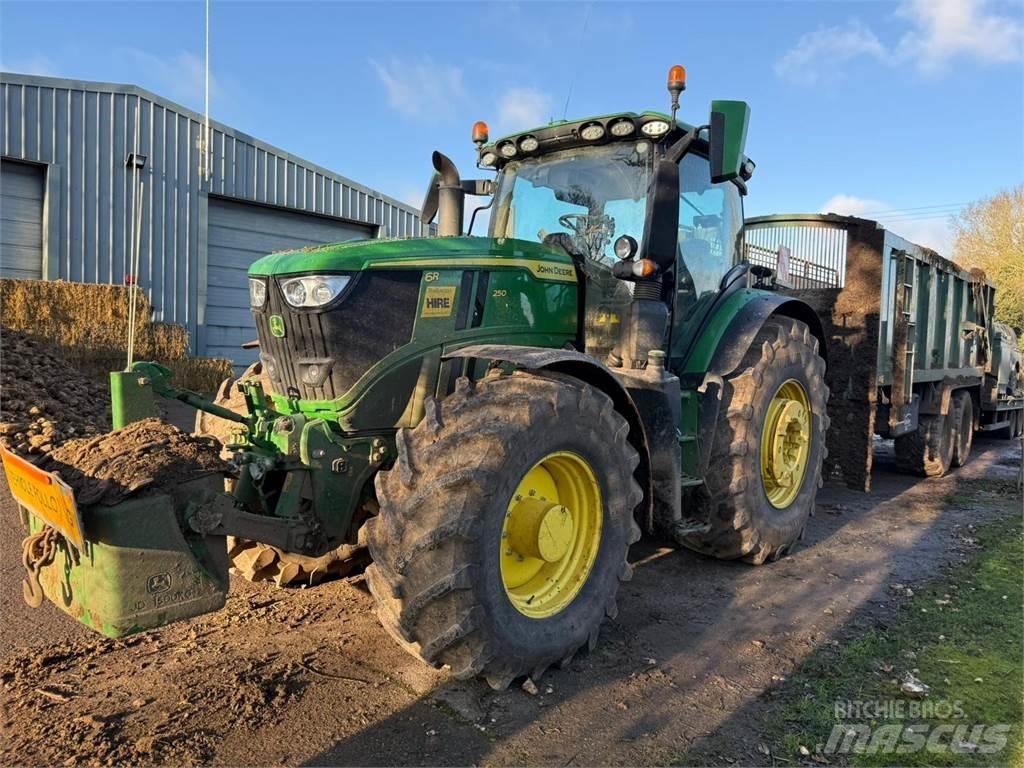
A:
{"x":309,"y":677}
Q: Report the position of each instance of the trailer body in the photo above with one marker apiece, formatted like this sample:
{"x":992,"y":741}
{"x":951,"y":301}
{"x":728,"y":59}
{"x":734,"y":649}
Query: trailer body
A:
{"x":906,"y":329}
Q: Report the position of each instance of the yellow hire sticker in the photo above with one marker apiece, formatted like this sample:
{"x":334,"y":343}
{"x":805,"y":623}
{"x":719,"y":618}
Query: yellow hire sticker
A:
{"x":438,"y":301}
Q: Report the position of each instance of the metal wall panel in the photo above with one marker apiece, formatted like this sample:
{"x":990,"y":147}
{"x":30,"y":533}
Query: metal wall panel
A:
{"x":84,"y":130}
{"x":238,"y":234}
{"x":21,"y":220}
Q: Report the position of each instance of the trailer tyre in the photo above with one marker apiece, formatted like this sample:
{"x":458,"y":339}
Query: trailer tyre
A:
{"x":765,"y":467}
{"x":928,"y":451}
{"x":963,"y":427}
{"x":1012,"y":430}
{"x":460,"y":575}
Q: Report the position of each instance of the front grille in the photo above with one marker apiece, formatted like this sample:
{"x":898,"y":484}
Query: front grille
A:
{"x":324,"y":352}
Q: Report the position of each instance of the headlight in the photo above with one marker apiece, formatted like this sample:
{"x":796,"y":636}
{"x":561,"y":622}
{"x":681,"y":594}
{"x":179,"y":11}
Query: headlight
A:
{"x":655,"y":128}
{"x":313,"y":290}
{"x":257,"y":292}
{"x":625,"y":247}
{"x":592,"y":131}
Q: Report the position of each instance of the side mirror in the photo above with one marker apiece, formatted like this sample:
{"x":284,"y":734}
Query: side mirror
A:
{"x":729,"y":120}
{"x":661,"y":224}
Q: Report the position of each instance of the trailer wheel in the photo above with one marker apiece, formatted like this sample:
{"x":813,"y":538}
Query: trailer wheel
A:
{"x":504,"y":526}
{"x":1014,"y":429}
{"x":963,"y":427}
{"x":928,"y":451}
{"x":765,"y":467}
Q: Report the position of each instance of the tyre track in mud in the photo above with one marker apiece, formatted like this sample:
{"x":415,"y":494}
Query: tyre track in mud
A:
{"x":308,"y":676}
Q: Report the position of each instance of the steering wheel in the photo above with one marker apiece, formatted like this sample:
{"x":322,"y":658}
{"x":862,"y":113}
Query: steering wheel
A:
{"x":576,"y":223}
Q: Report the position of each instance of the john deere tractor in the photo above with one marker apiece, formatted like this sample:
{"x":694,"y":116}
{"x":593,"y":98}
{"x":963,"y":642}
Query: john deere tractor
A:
{"x":512,"y":410}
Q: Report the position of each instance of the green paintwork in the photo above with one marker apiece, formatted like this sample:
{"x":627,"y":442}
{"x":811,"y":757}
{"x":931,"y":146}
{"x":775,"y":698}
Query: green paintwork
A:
{"x":531,"y":299}
{"x":138,"y":570}
{"x":131,"y":398}
{"x":419,"y":253}
{"x":728,"y":145}
{"x":714,"y":334}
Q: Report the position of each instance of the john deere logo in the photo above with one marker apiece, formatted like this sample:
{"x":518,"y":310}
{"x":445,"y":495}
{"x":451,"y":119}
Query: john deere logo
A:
{"x":158,"y":582}
{"x":277,"y":326}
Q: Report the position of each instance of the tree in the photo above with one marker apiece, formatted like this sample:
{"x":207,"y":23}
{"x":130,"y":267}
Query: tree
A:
{"x":989,"y":235}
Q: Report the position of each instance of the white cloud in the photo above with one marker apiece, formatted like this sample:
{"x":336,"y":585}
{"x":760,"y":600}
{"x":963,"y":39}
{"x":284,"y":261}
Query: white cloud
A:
{"x":423,"y":88}
{"x":181,"y":78}
{"x":945,"y":29}
{"x":821,"y":54}
{"x":932,"y":232}
{"x":941,"y":30}
{"x":521,"y":109}
{"x":36,"y":64}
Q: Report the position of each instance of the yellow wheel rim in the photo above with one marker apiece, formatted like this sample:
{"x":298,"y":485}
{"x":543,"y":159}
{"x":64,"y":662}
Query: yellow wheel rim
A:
{"x":786,"y":444}
{"x":551,"y":534}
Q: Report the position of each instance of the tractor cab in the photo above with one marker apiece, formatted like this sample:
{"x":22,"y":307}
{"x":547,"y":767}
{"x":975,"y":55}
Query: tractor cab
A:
{"x":649,"y":209}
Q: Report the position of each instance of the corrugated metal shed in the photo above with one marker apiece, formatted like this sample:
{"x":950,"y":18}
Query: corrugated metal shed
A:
{"x":81,"y":133}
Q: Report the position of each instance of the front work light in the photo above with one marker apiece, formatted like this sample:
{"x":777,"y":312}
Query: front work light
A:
{"x":313,"y":290}
{"x":655,"y":128}
{"x":257,"y":292}
{"x":529,"y":143}
{"x":622,"y":127}
{"x":592,"y":132}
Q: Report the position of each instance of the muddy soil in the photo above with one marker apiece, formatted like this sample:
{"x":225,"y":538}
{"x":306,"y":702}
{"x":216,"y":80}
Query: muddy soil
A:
{"x":309,"y":677}
{"x":44,"y":400}
{"x":143,"y":458}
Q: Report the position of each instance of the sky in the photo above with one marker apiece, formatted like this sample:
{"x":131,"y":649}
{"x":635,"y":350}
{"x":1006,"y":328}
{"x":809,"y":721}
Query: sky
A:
{"x":901,"y":110}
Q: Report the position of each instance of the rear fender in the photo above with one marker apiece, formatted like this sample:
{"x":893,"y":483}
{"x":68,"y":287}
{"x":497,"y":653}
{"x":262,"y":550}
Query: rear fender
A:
{"x":586,"y":369}
{"x":726,"y":354}
{"x":726,"y":341}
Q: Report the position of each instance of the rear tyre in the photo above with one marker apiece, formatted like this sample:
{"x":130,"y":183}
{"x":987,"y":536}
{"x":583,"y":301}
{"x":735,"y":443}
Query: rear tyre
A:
{"x":504,"y":526}
{"x":928,"y":451}
{"x":963,"y":427}
{"x":765,"y":467}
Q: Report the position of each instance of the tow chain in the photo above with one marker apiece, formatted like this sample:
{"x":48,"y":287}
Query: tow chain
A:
{"x":37,"y":551}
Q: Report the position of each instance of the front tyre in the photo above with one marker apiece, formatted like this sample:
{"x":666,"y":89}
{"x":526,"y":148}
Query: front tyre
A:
{"x":765,"y":467}
{"x":504,"y":526}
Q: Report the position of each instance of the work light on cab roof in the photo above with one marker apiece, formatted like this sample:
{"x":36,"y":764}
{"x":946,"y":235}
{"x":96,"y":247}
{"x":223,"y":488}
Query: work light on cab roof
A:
{"x":656,"y":127}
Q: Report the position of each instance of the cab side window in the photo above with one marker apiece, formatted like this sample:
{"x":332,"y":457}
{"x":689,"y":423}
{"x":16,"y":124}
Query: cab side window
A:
{"x":710,"y":225}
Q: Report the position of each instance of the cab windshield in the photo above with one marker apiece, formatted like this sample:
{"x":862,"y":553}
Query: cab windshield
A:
{"x":580,"y":200}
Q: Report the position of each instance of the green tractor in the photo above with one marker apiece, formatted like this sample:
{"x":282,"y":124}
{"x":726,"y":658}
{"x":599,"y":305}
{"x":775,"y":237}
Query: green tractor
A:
{"x":497,"y":418}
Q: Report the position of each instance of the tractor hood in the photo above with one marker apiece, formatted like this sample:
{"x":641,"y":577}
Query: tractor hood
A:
{"x":420,"y":253}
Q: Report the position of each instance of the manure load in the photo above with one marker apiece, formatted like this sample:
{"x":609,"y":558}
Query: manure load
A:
{"x":914,"y":353}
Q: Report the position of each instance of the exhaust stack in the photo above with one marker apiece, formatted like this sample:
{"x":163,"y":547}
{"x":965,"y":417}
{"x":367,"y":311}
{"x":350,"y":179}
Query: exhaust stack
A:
{"x":445,"y":198}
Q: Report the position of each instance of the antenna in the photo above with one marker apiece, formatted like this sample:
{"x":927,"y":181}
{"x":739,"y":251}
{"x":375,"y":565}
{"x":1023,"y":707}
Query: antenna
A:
{"x":579,"y":48}
{"x":207,"y":149}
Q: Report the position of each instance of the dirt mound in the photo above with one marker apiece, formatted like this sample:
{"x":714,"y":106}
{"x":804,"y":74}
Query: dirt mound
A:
{"x":145,"y":457}
{"x":45,"y":401}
